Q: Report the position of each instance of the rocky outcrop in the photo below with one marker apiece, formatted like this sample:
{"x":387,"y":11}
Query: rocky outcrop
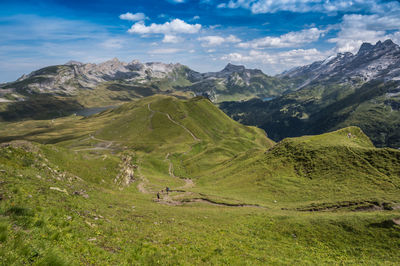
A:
{"x":126,"y":175}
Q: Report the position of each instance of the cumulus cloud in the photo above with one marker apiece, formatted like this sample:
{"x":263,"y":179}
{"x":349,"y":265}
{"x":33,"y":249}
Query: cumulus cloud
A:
{"x":133,"y":17}
{"x":356,"y":29}
{"x":278,"y":61}
{"x":174,"y":26}
{"x":302,"y":6}
{"x":290,"y":39}
{"x":214,"y":40}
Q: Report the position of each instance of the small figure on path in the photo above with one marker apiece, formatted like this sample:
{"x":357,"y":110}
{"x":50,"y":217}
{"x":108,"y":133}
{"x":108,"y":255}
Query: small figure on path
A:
{"x":349,"y":135}
{"x":167,"y":189}
{"x":158,"y":195}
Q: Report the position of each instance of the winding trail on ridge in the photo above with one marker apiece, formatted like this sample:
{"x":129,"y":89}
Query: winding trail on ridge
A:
{"x":180,"y":199}
{"x":188,"y":182}
{"x":173,"y":121}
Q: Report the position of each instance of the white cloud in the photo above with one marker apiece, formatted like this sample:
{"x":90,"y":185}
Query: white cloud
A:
{"x":290,"y":39}
{"x":133,"y":17}
{"x":196,"y":18}
{"x":211,"y":40}
{"x":175,"y":26}
{"x":164,"y":51}
{"x":356,"y":29}
{"x":171,"y":39}
{"x":278,"y":61}
{"x":214,"y":40}
{"x":302,"y":6}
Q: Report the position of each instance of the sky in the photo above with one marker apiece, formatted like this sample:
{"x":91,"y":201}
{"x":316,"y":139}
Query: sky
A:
{"x":205,"y":35}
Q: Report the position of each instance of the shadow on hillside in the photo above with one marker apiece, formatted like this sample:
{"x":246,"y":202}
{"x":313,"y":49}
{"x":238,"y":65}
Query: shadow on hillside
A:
{"x":384,"y":224}
{"x":40,"y":107}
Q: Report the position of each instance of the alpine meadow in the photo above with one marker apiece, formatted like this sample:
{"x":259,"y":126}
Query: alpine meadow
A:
{"x":131,"y":161}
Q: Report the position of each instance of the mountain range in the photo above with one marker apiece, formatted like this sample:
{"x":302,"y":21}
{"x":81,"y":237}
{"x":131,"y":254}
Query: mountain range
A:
{"x":75,"y":85}
{"x":360,"y":89}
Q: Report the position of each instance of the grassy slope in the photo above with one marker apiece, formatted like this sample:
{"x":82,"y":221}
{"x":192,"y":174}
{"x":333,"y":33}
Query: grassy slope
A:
{"x":39,"y":225}
{"x":227,"y":161}
{"x":329,"y":168}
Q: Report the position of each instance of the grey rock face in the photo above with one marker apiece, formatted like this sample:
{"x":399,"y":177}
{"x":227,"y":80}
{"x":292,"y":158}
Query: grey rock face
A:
{"x":379,"y":61}
{"x":69,"y":78}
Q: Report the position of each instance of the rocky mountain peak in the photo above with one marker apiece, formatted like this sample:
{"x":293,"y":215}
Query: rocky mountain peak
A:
{"x":233,"y":68}
{"x":378,"y":47}
{"x":381,"y":60}
{"x":365,"y":48}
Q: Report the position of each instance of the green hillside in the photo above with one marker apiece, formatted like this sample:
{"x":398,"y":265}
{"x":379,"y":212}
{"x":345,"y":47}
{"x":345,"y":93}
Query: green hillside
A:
{"x":323,"y":107}
{"x":83,"y":190}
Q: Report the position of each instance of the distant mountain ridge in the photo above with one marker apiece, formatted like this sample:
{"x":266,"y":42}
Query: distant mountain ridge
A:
{"x":71,"y":78}
{"x":361,"y":89}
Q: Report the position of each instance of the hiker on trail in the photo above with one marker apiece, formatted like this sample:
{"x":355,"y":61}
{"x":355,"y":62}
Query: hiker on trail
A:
{"x":349,"y":135}
{"x":167,"y":189}
{"x":158,"y":195}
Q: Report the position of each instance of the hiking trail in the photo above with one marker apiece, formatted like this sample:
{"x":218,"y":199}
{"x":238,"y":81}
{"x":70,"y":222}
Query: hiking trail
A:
{"x":173,"y":121}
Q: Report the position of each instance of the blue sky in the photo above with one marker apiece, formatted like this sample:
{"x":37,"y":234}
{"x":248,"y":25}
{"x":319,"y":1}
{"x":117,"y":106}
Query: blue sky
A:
{"x":203,"y":34}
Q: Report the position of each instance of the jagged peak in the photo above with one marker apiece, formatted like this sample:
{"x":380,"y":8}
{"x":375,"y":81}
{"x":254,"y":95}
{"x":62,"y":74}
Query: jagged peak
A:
{"x":388,"y":42}
{"x":233,"y":68}
{"x":365,"y":47}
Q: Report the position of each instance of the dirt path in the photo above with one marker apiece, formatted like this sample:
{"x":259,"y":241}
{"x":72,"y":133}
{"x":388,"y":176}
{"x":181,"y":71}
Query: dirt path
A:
{"x":188,"y":184}
{"x":175,"y":122}
{"x":151,"y":116}
{"x":143,"y":181}
{"x":180,"y":196}
{"x":185,"y":128}
{"x":170,"y":167}
{"x":108,"y":144}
